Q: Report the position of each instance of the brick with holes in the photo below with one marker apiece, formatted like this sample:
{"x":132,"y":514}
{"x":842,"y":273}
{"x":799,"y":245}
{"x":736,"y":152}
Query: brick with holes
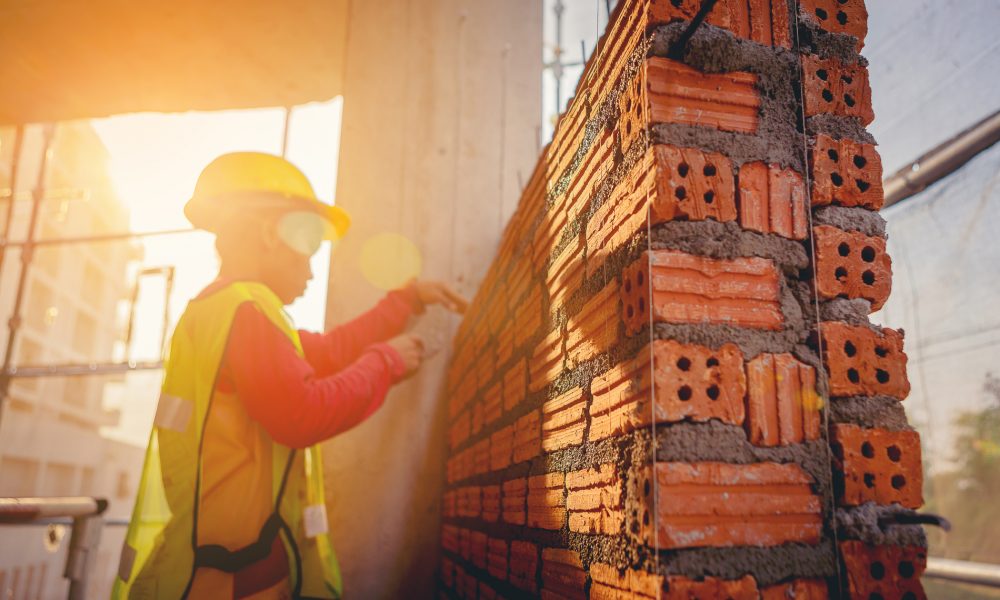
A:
{"x":677,"y":93}
{"x":783,"y":406}
{"x":594,"y":500}
{"x":711,"y":504}
{"x":839,"y":16}
{"x":563,"y":420}
{"x":745,"y":292}
{"x":697,"y":383}
{"x":523,"y":564}
{"x":683,"y":588}
{"x":496,"y":558}
{"x":887,"y":572}
{"x":620,"y":395}
{"x":846,"y":173}
{"x":692,"y":185}
{"x":850,"y":264}
{"x":513,"y":498}
{"x":608,"y":583}
{"x":877,"y":465}
{"x":860,"y":361}
{"x":546,"y":501}
{"x":836,"y":88}
{"x":763,"y":21}
{"x":772,"y":200}
{"x":563,"y":577}
{"x":469,"y":501}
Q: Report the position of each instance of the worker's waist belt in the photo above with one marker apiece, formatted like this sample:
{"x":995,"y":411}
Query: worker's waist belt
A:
{"x":231,"y":561}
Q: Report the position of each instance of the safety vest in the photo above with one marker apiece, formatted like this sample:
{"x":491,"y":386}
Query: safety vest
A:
{"x":211,"y":505}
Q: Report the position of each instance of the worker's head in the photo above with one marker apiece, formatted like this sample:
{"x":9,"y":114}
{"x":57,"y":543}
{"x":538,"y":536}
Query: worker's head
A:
{"x":267,"y":220}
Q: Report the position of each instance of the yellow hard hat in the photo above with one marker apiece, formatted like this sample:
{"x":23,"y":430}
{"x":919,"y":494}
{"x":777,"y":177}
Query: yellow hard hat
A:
{"x":238,"y":182}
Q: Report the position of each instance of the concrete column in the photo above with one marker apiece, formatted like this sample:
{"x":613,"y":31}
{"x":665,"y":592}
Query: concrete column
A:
{"x":442,"y":107}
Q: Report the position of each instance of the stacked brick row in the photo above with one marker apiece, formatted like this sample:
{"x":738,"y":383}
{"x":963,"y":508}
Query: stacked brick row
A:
{"x":667,"y":385}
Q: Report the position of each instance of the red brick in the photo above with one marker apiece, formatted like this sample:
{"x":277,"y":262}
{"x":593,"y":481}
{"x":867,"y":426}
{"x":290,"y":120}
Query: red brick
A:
{"x":719,"y":504}
{"x":877,"y":465}
{"x":477,"y":549}
{"x":486,"y":592}
{"x":563,"y":420}
{"x":610,"y":584}
{"x":501,"y":448}
{"x":447,"y":572}
{"x":448,"y":508}
{"x":517,"y":282}
{"x":860,"y":361}
{"x":622,"y":215}
{"x":528,"y":318}
{"x":496,"y":312}
{"x":524,"y":565}
{"x":496,"y":558}
{"x":888,"y":572}
{"x":491,"y":503}
{"x":680,"y":94}
{"x":486,"y":365}
{"x":546,"y":501}
{"x":773,"y":200}
{"x":763,"y":21}
{"x":617,"y":46}
{"x":481,"y":457}
{"x":563,"y":577}
{"x":692,"y":185}
{"x":565,"y":274}
{"x":846,"y":172}
{"x":513,"y":501}
{"x":515,"y":384}
{"x":697,"y":383}
{"x":464,"y":394}
{"x":633,"y":112}
{"x":461,"y":363}
{"x":593,"y":169}
{"x":837,"y":88}
{"x":839,"y":16}
{"x":852,"y":265}
{"x":692,"y":289}
{"x":620,"y":398}
{"x":528,"y":436}
{"x":459,"y":430}
{"x":594,"y":500}
{"x":478,"y":417}
{"x":547,"y":235}
{"x":567,"y":137}
{"x":799,"y":589}
{"x":449,"y":538}
{"x":547,"y":362}
{"x":710,"y":588}
{"x":783,"y":406}
{"x":492,"y":404}
{"x":505,"y":343}
{"x":595,"y":328}
{"x":469,"y":501}
{"x":466,"y":584}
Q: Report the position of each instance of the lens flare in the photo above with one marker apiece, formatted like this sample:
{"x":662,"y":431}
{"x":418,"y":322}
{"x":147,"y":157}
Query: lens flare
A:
{"x":388,"y":260}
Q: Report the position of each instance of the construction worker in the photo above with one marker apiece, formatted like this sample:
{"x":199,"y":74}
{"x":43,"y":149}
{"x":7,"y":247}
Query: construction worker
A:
{"x":231,"y":500}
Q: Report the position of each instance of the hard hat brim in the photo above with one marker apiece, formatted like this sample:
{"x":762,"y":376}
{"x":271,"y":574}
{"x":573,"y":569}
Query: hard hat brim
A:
{"x":213,"y":215}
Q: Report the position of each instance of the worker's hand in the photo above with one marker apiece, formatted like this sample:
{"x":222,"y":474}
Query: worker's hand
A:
{"x":437,"y":292}
{"x":410,"y":348}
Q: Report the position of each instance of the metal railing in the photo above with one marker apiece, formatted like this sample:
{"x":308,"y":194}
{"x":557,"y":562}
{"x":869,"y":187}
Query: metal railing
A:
{"x":84,"y":515}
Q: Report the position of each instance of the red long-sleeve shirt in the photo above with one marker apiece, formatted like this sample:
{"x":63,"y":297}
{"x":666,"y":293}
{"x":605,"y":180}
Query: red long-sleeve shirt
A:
{"x":342,"y":380}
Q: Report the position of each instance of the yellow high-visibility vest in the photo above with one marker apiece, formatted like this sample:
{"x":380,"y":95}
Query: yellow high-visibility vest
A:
{"x":208,"y":506}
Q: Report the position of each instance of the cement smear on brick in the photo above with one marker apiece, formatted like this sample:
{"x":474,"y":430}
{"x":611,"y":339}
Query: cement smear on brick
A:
{"x":870,"y":411}
{"x":862,"y":523}
{"x":727,"y":240}
{"x":768,"y":565}
{"x":814,"y":40}
{"x":862,"y":220}
{"x":852,"y":312}
{"x":716,"y":50}
{"x":838,"y":128}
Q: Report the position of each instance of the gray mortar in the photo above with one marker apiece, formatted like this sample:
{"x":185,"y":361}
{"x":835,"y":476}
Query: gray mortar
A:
{"x":852,"y":312}
{"x":720,"y":442}
{"x":728,"y":240}
{"x":767,"y":565}
{"x":868,"y":222}
{"x":715,"y":50}
{"x":751,"y":342}
{"x":825,"y":44}
{"x":883,"y":412}
{"x":839,"y":128}
{"x":862,"y":523}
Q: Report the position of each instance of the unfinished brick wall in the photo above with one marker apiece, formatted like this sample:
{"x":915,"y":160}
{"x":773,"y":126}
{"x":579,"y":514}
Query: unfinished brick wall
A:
{"x":668,"y":385}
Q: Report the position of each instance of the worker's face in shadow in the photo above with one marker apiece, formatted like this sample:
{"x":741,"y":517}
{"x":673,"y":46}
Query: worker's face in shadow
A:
{"x":285,"y":270}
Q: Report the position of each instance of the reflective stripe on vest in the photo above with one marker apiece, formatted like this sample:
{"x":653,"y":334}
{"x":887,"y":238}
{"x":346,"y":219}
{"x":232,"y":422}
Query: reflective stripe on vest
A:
{"x":163,"y":551}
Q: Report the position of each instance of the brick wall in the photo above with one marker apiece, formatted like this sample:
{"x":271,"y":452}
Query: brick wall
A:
{"x":668,"y":384}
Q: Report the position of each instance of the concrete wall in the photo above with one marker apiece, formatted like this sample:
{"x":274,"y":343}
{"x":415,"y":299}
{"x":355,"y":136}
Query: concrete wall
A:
{"x":442,"y":104}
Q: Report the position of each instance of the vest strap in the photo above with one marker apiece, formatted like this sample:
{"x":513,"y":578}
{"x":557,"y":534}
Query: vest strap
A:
{"x":218,"y":557}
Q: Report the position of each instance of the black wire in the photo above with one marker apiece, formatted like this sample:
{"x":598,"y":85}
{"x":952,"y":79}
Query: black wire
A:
{"x":676,"y":51}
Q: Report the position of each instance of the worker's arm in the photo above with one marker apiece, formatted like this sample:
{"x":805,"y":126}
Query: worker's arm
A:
{"x":332,"y":351}
{"x":282,"y":391}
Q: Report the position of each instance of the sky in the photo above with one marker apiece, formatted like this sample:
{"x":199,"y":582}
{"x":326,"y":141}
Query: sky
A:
{"x":155,"y":161}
